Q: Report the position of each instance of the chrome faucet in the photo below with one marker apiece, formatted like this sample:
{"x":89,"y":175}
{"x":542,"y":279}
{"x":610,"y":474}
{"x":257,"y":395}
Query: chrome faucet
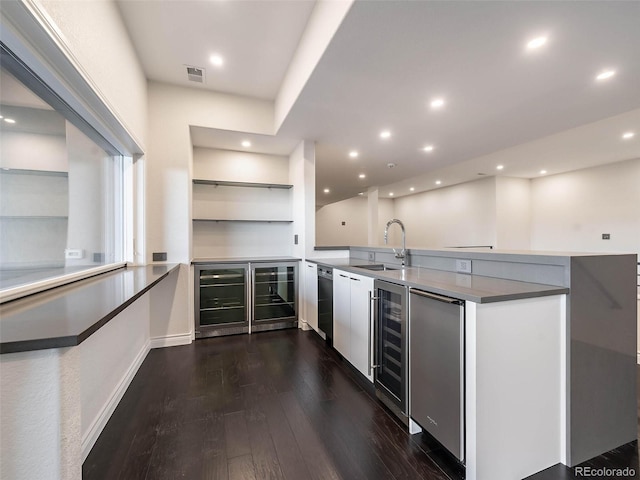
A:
{"x":403,"y":254}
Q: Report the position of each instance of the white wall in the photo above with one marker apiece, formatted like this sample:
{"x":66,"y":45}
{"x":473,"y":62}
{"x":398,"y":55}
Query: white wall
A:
{"x":329,"y":218}
{"x":386,"y":212}
{"x":297,"y":169}
{"x":459,"y":215}
{"x":96,"y":40}
{"x":108,"y":361}
{"x":39,"y":418}
{"x":571,"y":211}
{"x":235,"y":166}
{"x":513,"y":213}
{"x":354,"y":212}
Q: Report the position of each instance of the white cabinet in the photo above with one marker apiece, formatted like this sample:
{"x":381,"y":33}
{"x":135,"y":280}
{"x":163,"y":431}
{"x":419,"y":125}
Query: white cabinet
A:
{"x":361,"y":290}
{"x":311,"y":294}
{"x":352,"y":318}
{"x":341,"y":312}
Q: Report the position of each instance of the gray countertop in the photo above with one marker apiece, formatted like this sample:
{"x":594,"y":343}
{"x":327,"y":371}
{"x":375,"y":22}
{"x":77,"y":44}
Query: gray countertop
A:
{"x":200,"y":261}
{"x":473,"y":288}
{"x":66,"y":316}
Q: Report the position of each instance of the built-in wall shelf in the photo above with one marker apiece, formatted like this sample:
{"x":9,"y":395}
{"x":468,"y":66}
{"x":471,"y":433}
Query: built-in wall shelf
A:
{"x":241,"y":184}
{"x":240,"y":220}
{"x":241,"y":204}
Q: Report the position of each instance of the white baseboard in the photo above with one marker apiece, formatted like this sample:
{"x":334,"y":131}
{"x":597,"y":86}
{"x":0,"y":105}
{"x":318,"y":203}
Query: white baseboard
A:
{"x":303,"y":325}
{"x":171,"y":340}
{"x":89,"y":439}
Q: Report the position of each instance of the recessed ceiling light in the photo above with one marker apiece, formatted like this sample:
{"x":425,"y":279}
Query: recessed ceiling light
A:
{"x":428,"y":148}
{"x":438,"y":182}
{"x":391,"y":194}
{"x":499,"y":167}
{"x":411,"y":189}
{"x":605,"y":74}
{"x":1,"y":117}
{"x":628,"y":135}
{"x":437,"y":103}
{"x":361,"y":193}
{"x":246,"y":143}
{"x":542,"y":172}
{"x":217,"y":60}
{"x":536,"y":43}
{"x":362,"y":175}
{"x":9,"y":120}
{"x":326,"y":190}
{"x":353,"y":154}
{"x":385,"y":134}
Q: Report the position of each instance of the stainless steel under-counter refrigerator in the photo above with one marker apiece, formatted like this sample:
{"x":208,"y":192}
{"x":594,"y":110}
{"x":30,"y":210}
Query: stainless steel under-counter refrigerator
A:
{"x":436,"y":367}
{"x":245,"y":297}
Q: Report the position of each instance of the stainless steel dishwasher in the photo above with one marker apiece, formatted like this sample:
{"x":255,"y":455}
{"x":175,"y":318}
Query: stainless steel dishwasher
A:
{"x":436,"y":367}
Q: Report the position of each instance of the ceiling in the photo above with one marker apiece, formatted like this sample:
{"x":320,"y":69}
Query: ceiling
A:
{"x":256,"y":38}
{"x":527,"y":110}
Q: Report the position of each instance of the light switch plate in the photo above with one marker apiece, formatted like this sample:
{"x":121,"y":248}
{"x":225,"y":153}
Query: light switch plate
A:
{"x":463,"y":266}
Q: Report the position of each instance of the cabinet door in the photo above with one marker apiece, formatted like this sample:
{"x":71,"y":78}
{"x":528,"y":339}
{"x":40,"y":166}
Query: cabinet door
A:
{"x":311,"y":294}
{"x":361,"y":289}
{"x":341,"y":312}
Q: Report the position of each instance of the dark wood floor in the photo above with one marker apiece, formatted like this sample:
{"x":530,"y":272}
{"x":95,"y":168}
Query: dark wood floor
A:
{"x":273,"y":405}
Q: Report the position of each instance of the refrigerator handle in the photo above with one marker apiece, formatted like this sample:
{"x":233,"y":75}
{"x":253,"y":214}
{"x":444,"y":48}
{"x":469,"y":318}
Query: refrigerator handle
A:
{"x":249,"y":302}
{"x":434,"y":296}
{"x":372,"y":361}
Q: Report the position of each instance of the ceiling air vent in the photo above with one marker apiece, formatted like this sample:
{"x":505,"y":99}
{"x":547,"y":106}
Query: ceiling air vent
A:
{"x":195,"y":74}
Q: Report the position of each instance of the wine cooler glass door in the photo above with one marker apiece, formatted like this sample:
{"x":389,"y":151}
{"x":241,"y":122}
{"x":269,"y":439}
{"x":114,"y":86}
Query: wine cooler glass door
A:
{"x":274,"y":296}
{"x":221,"y":300}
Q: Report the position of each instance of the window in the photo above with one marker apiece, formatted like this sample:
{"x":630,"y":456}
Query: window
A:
{"x":61,"y":187}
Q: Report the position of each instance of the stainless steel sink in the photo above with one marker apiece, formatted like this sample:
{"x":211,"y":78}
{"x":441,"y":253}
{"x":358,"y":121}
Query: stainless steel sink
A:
{"x":377,"y":268}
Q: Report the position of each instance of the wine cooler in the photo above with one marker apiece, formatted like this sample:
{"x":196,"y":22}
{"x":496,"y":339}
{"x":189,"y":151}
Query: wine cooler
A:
{"x":241,"y":298}
{"x":274,"y":296}
{"x":391,"y":357}
{"x":221,"y":300}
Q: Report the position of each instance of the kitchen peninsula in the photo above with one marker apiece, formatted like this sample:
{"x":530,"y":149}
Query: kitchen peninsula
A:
{"x":540,"y":330}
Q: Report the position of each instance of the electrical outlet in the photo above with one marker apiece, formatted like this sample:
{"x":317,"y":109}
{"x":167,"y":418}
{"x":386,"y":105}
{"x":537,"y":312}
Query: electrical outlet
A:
{"x":74,"y":253}
{"x":463,"y":266}
{"x":159,"y":256}
{"x":371,"y":256}
{"x":606,"y":236}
